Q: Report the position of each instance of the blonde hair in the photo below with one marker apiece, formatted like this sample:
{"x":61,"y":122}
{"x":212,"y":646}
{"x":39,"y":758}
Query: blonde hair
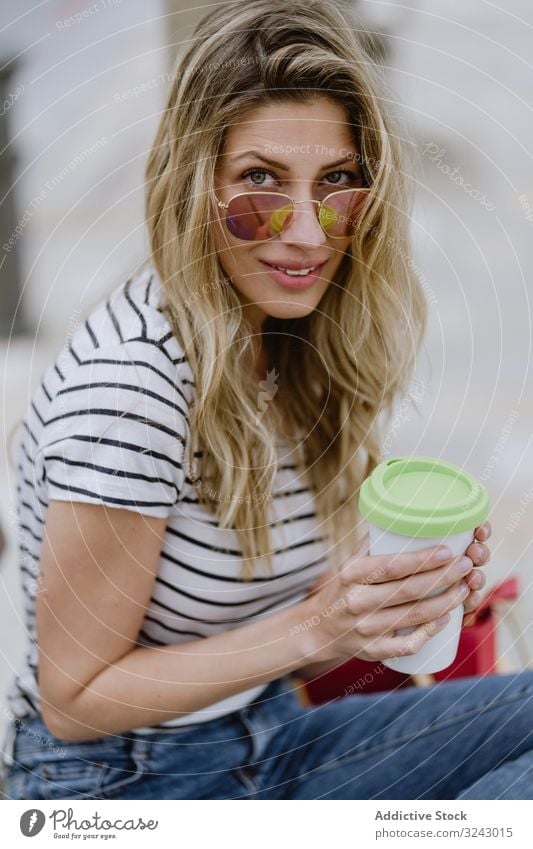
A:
{"x":339,"y":368}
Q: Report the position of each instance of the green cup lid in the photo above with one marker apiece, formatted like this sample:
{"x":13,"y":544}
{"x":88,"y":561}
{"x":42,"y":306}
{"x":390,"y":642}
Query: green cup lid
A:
{"x":423,"y":497}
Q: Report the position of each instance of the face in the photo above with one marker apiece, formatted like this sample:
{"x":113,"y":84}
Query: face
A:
{"x":305,"y":151}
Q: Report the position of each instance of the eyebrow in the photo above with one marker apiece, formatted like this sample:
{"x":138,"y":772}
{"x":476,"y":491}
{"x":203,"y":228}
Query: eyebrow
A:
{"x":284,"y":167}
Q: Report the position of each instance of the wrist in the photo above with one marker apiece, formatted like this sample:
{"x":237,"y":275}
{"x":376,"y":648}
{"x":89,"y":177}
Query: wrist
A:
{"x":314,"y":645}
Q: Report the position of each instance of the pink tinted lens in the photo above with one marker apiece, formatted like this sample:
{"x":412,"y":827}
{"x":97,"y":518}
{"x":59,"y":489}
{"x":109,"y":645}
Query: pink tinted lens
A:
{"x":341,"y":212}
{"x":256,"y":216}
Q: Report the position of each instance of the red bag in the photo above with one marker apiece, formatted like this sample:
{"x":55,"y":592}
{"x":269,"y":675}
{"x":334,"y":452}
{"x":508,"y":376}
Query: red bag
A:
{"x":476,"y":655}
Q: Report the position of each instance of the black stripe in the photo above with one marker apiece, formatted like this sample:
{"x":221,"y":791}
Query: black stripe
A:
{"x":129,"y":387}
{"x":147,"y":294}
{"x":114,"y":321}
{"x":158,"y":344}
{"x":94,"y":340}
{"x":29,"y":530}
{"x":236,"y":552}
{"x":117,"y":443}
{"x":189,"y":617}
{"x":214,"y":576}
{"x":113,"y":413}
{"x":25,"y":452}
{"x":45,"y":390}
{"x":107,"y":499}
{"x":27,"y":427}
{"x":24,"y":695}
{"x":142,"y":633}
{"x":30,"y":508}
{"x":36,"y":411}
{"x":74,"y":354}
{"x":174,"y":630}
{"x":212,"y":603}
{"x":135,"y":308}
{"x":117,"y":473}
{"x":105,"y":361}
{"x":56,"y":368}
{"x":290,"y":492}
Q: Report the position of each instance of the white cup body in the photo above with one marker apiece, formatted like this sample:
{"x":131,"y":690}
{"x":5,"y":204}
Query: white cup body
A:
{"x":441,"y":649}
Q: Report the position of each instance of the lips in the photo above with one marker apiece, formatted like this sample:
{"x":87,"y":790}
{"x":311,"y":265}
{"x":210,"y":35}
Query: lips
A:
{"x":293,"y":265}
{"x":293,"y":281}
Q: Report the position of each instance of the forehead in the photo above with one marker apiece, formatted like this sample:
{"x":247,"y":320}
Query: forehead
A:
{"x":292,"y":131}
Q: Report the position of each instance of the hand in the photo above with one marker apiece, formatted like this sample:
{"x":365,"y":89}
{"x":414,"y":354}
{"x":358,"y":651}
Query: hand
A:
{"x":357,"y":610}
{"x":480,"y":556}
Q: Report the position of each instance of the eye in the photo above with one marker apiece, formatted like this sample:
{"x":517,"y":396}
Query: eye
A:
{"x":254,"y":173}
{"x":351,"y":177}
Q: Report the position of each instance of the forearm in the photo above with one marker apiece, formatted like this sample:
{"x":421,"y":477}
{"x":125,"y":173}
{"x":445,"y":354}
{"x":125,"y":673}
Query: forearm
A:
{"x":149,"y":685}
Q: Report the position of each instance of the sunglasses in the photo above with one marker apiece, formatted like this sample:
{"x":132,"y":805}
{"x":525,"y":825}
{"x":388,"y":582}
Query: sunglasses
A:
{"x":258,"y":216}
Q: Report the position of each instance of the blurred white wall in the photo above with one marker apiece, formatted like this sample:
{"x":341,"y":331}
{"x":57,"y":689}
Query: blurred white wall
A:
{"x":94,"y":79}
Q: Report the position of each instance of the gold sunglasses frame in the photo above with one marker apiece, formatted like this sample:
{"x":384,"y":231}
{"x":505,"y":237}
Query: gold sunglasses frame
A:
{"x":320,"y":203}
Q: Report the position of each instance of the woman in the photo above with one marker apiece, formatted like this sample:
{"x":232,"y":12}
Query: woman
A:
{"x":191,"y":462}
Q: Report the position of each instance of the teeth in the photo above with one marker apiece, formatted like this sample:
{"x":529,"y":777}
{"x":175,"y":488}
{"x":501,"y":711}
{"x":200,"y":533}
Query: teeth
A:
{"x":293,"y":273}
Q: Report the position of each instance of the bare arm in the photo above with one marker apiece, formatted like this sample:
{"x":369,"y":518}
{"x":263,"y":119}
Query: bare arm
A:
{"x":98,"y":566}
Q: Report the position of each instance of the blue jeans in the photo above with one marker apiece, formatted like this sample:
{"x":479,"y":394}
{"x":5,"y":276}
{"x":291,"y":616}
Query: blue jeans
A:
{"x":471,"y":738}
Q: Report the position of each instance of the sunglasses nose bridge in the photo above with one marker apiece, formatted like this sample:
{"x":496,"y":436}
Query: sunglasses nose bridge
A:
{"x":294,"y":221}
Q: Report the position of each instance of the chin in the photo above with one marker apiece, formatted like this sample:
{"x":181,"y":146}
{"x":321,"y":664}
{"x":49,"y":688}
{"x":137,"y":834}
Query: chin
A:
{"x":290,"y":310}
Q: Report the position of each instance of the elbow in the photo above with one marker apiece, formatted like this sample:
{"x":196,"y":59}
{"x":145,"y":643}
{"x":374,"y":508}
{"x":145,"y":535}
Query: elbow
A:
{"x":63,"y":725}
{"x":56,"y":722}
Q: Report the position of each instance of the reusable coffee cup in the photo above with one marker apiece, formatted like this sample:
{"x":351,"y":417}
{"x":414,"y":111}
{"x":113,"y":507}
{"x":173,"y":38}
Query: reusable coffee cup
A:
{"x":417,"y":502}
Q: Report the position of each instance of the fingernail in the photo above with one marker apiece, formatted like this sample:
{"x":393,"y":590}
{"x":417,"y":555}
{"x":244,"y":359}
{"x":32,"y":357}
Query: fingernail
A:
{"x":442,"y":555}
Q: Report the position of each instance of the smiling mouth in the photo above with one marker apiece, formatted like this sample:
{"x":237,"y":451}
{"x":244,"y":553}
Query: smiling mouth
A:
{"x":295,"y":272}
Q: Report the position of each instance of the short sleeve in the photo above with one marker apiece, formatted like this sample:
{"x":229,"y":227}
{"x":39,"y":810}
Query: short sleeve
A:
{"x":116,"y":431}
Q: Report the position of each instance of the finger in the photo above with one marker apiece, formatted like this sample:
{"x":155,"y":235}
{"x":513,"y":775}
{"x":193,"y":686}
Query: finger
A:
{"x":479,"y":553}
{"x":389,"y":567}
{"x":476,"y":579}
{"x":483,"y":532}
{"x":415,"y":614}
{"x":361,"y":597}
{"x":472,"y":601}
{"x":389,"y":647}
{"x":469,"y":620}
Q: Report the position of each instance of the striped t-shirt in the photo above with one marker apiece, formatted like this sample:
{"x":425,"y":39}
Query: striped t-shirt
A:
{"x":108,"y":424}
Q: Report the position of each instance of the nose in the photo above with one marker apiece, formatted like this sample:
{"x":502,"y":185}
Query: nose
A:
{"x":303,"y":227}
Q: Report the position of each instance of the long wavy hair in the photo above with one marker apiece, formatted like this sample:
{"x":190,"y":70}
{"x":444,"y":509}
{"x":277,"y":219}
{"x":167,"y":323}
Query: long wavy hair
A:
{"x":339,"y":369}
